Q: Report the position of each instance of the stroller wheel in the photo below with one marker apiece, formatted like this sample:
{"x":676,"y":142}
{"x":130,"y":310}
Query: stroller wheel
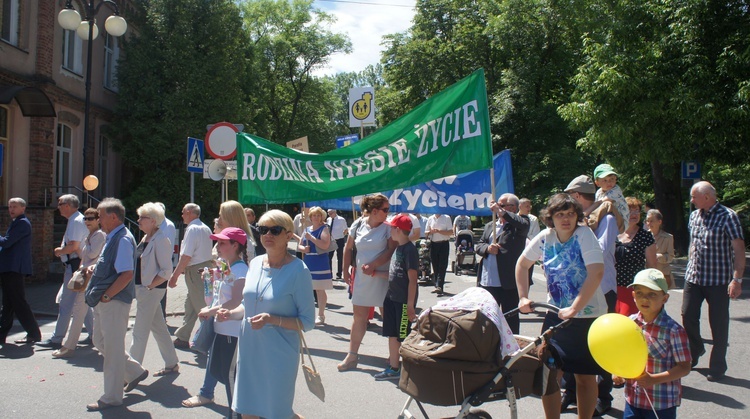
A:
{"x":478,"y":414}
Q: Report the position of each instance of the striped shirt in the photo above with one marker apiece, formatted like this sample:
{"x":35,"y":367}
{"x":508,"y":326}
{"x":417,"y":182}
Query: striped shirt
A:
{"x":711,"y":259}
{"x":667,"y":345}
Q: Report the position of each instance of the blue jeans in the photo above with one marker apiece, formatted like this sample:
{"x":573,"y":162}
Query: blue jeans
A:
{"x":631,"y":412}
{"x":209,"y":384}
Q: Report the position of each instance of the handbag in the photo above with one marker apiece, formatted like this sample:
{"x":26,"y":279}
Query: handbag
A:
{"x":312,"y":376}
{"x":204,"y":337}
{"x":79,"y":280}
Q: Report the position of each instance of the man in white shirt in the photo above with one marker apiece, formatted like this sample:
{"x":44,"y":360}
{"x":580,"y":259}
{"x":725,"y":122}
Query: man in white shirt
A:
{"x":339,"y":230}
{"x":461,"y":222}
{"x":416,"y":231}
{"x":439,"y":231}
{"x":524,"y":208}
{"x":195,"y":254}
{"x":75,"y":233}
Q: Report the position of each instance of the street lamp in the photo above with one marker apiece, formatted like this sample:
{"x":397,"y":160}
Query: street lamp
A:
{"x":115,"y":25}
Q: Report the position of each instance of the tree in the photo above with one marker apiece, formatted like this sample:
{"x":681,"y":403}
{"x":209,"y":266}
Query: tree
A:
{"x":184,"y":69}
{"x":290,"y":40}
{"x":664,"y":82}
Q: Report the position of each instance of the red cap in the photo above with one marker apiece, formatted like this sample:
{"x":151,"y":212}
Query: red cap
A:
{"x":401,"y":221}
{"x":231,"y":233}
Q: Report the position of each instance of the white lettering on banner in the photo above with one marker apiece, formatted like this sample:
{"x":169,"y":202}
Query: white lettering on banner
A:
{"x":264,"y":167}
{"x":431,"y":199}
{"x":436,"y":133}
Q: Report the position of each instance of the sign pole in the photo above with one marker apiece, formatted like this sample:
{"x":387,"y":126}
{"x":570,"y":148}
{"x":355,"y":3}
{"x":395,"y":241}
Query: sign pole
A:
{"x":192,"y":187}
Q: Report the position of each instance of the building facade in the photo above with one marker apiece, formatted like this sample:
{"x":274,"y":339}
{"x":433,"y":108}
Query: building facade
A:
{"x":42,"y":102}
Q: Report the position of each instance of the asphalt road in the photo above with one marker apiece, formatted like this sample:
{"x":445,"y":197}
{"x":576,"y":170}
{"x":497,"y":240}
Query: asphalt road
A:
{"x":36,"y":385}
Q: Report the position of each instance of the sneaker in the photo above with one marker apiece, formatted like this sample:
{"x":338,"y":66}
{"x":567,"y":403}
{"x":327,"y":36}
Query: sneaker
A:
{"x":388,"y":374}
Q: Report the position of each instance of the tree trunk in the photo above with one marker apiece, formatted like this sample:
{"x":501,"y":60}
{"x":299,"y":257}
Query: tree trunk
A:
{"x":668,"y":197}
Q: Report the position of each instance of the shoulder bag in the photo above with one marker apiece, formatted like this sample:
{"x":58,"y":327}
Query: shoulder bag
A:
{"x":312,"y":376}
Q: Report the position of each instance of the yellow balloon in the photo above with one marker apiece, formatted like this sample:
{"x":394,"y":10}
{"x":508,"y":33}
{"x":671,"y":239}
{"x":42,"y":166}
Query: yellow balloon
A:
{"x":618,"y":345}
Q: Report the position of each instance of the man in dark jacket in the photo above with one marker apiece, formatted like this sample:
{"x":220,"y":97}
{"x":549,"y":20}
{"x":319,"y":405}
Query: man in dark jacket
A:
{"x":15,"y":264}
{"x":497,"y":270}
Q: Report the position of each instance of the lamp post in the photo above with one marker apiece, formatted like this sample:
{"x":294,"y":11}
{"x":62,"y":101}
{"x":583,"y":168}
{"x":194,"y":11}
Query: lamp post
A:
{"x":115,"y":25}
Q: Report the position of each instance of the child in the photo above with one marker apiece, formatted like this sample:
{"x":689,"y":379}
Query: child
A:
{"x":668,"y":352}
{"x":606,"y":179}
{"x":399,"y":305}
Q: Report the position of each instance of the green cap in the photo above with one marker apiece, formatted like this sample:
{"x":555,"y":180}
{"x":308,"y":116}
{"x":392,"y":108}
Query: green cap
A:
{"x":651,"y":278}
{"x":604,"y":170}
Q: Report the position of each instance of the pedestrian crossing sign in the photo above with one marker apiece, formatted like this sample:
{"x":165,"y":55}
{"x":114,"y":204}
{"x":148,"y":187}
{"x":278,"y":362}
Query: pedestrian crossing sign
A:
{"x":195,"y":155}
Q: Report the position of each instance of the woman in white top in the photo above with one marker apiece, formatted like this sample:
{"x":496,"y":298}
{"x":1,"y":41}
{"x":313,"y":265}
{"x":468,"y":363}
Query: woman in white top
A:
{"x":89,"y":251}
{"x":574,"y":265}
{"x":371,"y":238}
{"x":153,"y":268}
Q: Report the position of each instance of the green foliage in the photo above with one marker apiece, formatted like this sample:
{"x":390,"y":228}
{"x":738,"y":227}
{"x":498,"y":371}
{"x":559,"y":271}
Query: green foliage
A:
{"x":290,"y":40}
{"x":183,"y":69}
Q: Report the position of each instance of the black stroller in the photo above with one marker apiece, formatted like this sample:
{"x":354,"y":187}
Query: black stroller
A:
{"x":471,"y":371}
{"x":466,"y":259}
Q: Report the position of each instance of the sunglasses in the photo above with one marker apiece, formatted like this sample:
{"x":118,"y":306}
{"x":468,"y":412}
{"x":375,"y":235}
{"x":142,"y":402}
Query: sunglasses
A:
{"x":90,"y":218}
{"x":275,"y":230}
{"x":384,"y":209}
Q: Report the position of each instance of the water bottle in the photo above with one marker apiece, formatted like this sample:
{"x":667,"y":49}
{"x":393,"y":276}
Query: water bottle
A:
{"x":208,"y":289}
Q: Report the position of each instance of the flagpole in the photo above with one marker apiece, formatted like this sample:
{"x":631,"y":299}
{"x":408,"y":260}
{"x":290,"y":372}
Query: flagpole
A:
{"x":492,"y":188}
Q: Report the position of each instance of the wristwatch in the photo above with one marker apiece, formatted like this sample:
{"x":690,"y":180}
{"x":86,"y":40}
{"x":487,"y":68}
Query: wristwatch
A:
{"x":737,"y":280}
{"x":105,"y":297}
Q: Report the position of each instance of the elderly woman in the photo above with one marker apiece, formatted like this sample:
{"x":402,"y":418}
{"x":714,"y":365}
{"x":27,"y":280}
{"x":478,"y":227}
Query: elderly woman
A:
{"x":89,"y":251}
{"x":315,"y":241}
{"x":635,"y":252}
{"x":664,"y":245}
{"x":277,"y":304}
{"x":152,"y":270}
{"x":372,"y":239}
{"x":574,"y":265}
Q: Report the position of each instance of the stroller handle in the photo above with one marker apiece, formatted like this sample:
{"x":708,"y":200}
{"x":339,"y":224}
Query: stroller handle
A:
{"x":534,"y":309}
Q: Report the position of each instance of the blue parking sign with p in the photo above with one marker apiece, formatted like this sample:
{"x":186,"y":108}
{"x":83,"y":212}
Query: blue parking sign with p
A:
{"x":691,"y":169}
{"x":195,"y":155}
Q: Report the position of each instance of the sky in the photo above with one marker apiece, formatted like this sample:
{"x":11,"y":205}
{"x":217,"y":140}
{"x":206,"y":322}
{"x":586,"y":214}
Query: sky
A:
{"x":365,"y":22}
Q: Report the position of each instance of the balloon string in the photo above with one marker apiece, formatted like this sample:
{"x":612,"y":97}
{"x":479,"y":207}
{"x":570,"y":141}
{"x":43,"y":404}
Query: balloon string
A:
{"x":649,"y":402}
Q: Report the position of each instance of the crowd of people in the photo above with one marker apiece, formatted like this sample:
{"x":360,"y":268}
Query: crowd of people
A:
{"x":596,"y":255}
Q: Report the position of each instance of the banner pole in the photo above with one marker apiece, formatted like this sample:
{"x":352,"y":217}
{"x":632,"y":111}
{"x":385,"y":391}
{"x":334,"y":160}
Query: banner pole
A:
{"x":492,"y":188}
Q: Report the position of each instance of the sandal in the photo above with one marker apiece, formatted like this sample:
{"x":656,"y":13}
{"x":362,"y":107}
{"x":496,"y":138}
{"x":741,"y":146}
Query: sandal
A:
{"x":175,"y":369}
{"x":352,"y":364}
{"x":197,"y":401}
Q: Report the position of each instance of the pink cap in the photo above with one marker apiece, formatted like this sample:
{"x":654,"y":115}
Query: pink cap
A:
{"x":231,"y":233}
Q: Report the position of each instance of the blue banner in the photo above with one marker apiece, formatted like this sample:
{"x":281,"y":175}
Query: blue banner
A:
{"x":467,"y":193}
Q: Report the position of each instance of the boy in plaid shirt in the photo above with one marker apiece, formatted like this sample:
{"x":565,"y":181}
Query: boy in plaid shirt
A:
{"x":658,"y":391}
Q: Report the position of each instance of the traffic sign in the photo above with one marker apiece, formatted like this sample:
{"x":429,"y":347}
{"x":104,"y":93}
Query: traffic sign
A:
{"x":346,"y":140}
{"x":691,"y":169}
{"x":221,"y":140}
{"x":195,"y":155}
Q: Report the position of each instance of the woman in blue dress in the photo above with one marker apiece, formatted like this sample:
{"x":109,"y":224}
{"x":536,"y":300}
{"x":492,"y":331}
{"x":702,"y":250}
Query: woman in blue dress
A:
{"x":316,"y":240}
{"x":277,"y":301}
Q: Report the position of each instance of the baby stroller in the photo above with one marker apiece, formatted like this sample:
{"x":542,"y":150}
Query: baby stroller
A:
{"x":452,"y":358}
{"x":466,"y":259}
{"x":425,"y":262}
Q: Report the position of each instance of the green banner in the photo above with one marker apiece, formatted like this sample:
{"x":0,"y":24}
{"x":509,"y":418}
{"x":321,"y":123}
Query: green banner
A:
{"x":448,"y":134}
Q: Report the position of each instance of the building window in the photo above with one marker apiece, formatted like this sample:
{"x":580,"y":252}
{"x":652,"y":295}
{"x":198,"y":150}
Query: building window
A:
{"x":10,"y":19}
{"x":103,"y":165}
{"x":111,"y":54}
{"x":72,"y":49}
{"x":63,"y":156}
{"x":4,"y":132}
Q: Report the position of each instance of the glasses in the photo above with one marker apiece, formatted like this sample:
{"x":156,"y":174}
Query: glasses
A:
{"x":143,"y":217}
{"x":505,"y":205}
{"x":384,"y":209}
{"x":275,"y":230}
{"x":90,"y":218}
